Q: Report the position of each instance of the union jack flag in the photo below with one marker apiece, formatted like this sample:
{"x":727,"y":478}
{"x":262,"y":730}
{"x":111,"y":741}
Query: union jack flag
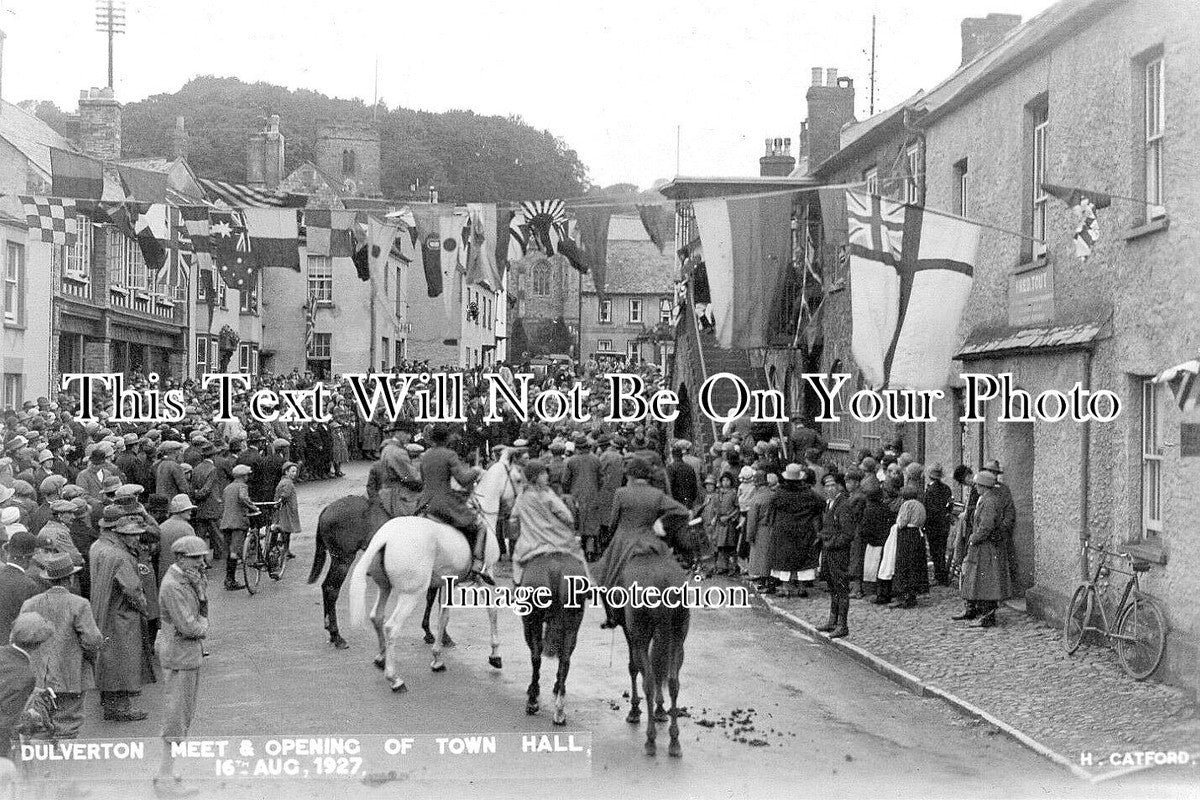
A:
{"x":310,"y":324}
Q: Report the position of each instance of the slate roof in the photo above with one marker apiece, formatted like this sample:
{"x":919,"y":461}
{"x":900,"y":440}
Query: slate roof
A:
{"x":992,"y":344}
{"x":634,"y":264}
{"x":30,"y":135}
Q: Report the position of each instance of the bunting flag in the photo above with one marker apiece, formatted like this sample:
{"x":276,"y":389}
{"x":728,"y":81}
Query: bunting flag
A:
{"x":910,"y":275}
{"x":1184,"y":382}
{"x":310,"y":324}
{"x":75,"y":175}
{"x":195,"y":224}
{"x":380,"y":238}
{"x":274,"y":237}
{"x":1084,"y":204}
{"x":239,"y":195}
{"x":207,"y":287}
{"x":659,"y":221}
{"x":544,"y":223}
{"x":143,"y":185}
{"x":593,"y":239}
{"x":328,"y":232}
{"x":503,"y":240}
{"x":152,"y":231}
{"x":52,"y":217}
{"x":450,"y":228}
{"x":481,"y":246}
{"x":231,"y":251}
{"x":747,"y":248}
{"x":427,"y":217}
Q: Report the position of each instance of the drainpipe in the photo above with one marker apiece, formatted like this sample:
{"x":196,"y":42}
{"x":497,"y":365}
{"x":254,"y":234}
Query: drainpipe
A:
{"x":1085,"y":442}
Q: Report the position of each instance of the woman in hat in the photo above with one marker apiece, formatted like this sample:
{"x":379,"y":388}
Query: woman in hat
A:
{"x":911,"y":570}
{"x":796,"y":511}
{"x":542,"y":521}
{"x":287,"y":515}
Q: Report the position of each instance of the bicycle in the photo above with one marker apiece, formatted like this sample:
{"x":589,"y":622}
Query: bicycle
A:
{"x":1141,"y":630}
{"x":263,"y":549}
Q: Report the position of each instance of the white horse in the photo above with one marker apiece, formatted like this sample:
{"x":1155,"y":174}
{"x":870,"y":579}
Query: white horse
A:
{"x":418,"y":551}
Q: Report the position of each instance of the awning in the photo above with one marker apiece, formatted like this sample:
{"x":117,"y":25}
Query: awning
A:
{"x":1018,"y":341}
{"x":1182,"y":380}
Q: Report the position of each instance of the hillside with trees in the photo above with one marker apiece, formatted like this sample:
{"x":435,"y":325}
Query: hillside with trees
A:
{"x":469,"y":157}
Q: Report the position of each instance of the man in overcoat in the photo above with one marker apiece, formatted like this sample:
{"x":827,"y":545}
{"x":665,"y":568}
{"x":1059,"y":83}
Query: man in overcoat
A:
{"x":583,"y":479}
{"x":119,"y":606}
{"x":986,"y":579}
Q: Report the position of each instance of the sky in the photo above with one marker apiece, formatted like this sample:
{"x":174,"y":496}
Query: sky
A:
{"x":640,"y":89}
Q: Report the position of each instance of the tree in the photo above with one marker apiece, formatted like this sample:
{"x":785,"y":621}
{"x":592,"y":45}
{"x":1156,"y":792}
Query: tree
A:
{"x":558,"y":339}
{"x":518,"y":341}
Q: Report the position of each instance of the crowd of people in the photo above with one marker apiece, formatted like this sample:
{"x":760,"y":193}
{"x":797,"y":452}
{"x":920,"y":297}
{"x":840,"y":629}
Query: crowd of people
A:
{"x":109,"y":529}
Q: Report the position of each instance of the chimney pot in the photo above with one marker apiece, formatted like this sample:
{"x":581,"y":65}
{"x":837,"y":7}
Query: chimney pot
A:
{"x":831,"y":76}
{"x":768,"y":152}
{"x":816,"y":76}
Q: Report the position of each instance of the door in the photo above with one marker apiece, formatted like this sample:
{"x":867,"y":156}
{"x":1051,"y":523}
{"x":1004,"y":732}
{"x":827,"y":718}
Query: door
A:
{"x":1019,"y":475}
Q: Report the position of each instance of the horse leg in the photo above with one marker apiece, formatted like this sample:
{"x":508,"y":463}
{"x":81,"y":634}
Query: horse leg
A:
{"x":377,"y":619}
{"x":673,"y":749}
{"x":430,"y":597}
{"x":533,"y":638}
{"x":443,"y":619}
{"x":406,"y":603}
{"x":635,"y":703}
{"x":331,"y":587}
{"x":494,"y":659}
{"x":569,"y":625}
{"x":650,"y":687}
{"x":659,"y":653}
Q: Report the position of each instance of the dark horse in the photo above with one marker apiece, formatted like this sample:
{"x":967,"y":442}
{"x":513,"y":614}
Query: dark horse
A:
{"x":344,"y":529}
{"x":656,"y":635}
{"x":552,"y":630}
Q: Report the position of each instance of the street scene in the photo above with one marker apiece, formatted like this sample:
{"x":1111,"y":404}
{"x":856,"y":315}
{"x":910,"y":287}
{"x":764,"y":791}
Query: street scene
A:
{"x":648,"y":399}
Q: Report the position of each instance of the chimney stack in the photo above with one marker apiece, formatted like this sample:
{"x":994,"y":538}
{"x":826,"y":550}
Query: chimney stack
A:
{"x":264,"y":156}
{"x":179,"y":140}
{"x":778,"y":159}
{"x":99,"y":124}
{"x":830,"y":106}
{"x":980,"y":34}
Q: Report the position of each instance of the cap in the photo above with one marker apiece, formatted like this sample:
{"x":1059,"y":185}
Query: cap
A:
{"x":414,"y":449}
{"x":6,"y":493}
{"x":190,"y":546}
{"x":288,"y":465}
{"x":130,"y":439}
{"x":111,"y":484}
{"x":280,"y":442}
{"x":70,"y":491}
{"x":180,"y":503}
{"x":20,"y":541}
{"x":129,"y":492}
{"x":52,"y":484}
{"x":30,"y":629}
{"x":62,"y":507}
{"x":10,"y":515}
{"x":45,"y":455}
{"x":241,"y":469}
{"x":56,"y":566}
{"x":131,"y":528}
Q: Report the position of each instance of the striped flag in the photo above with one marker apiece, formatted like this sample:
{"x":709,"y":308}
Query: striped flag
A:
{"x":1184,"y":383}
{"x":910,"y":275}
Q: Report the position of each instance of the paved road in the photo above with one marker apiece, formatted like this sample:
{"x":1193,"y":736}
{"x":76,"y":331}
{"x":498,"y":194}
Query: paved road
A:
{"x":829,"y":725}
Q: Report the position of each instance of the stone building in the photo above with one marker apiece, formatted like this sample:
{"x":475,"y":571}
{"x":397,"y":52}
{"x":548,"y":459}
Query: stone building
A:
{"x":546,"y":289}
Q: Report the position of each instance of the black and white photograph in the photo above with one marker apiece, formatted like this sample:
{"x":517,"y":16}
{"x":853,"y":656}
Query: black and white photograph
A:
{"x":654,"y":399}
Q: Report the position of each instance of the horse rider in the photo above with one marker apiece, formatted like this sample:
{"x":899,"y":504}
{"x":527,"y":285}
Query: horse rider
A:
{"x":440,"y":501}
{"x":400,"y":479}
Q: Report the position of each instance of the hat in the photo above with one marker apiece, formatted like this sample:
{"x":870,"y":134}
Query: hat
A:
{"x":131,"y":528}
{"x":20,"y":541}
{"x":16,"y":443}
{"x":729,"y":447}
{"x":190,"y":546}
{"x":238,"y":437}
{"x":520,"y":444}
{"x":52,"y":484}
{"x":23,"y":488}
{"x":710,"y":479}
{"x":288,"y":465}
{"x":56,"y":566}
{"x":936,"y":471}
{"x":992,"y":466}
{"x":558,"y":447}
{"x":30,"y":629}
{"x":180,"y":503}
{"x":208,"y":449}
{"x":112,"y":515}
{"x":986,"y":479}
{"x":168,"y":447}
{"x":81,"y":504}
{"x":111,"y":484}
{"x":6,"y":493}
{"x":45,"y":541}
{"x":793,"y":472}
{"x":70,"y":491}
{"x":45,"y":455}
{"x":746,"y":473}
{"x":414,"y":449}
{"x":280,"y":442}
{"x":10,"y":515}
{"x":128,"y":492}
{"x":62,"y":507}
{"x":241,"y":469}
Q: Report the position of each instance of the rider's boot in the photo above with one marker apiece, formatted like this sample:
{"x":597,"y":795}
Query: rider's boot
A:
{"x":478,"y":545}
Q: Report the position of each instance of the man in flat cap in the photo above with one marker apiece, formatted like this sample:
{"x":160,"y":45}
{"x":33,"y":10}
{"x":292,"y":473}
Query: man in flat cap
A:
{"x":208,"y":487}
{"x":17,"y":681}
{"x":58,"y":664}
{"x":119,"y":604}
{"x":237,"y":509}
{"x":49,"y":489}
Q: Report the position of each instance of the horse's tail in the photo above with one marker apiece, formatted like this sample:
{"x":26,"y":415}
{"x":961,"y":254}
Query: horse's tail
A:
{"x":358,"y":579}
{"x":320,"y":552}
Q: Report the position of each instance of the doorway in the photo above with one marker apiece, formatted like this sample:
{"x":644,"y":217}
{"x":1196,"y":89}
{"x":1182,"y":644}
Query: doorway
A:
{"x":1019,"y":475}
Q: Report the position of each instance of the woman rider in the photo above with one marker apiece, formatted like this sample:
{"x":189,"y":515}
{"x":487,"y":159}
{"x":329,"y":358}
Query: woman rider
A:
{"x":544,"y":523}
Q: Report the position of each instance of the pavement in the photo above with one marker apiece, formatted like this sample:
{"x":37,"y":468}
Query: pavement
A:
{"x":772,"y":711}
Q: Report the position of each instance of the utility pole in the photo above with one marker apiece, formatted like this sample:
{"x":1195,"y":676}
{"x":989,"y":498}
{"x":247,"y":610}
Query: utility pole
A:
{"x":375,"y":106}
{"x":110,"y":19}
{"x":678,"y":135}
{"x":872,"y":65}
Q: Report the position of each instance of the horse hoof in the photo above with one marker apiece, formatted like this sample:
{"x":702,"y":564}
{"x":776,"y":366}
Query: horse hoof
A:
{"x":446,"y":640}
{"x":674,"y":750}
{"x":532,"y":708}
{"x":379,"y":661}
{"x":634,"y":717}
{"x":560,"y":719}
{"x":399,"y":688}
{"x":661,"y":716}
{"x":496,"y":661}
{"x":651,"y":750}
{"x":428,"y":637}
{"x":437,"y":666}
{"x":339,"y":643}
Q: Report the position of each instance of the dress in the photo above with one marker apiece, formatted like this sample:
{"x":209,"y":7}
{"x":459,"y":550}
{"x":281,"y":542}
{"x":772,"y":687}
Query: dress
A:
{"x":912,"y":572}
{"x":796,"y":512}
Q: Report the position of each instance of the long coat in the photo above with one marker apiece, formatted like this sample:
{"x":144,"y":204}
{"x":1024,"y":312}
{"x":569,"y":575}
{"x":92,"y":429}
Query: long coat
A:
{"x":612,"y":477}
{"x":837,"y":533}
{"x":985,"y":570}
{"x":119,"y":606}
{"x":581,"y":480}
{"x":796,"y":512}
{"x":58,"y":662}
{"x":758,"y":531}
{"x":635,"y":509}
{"x":287,"y":517}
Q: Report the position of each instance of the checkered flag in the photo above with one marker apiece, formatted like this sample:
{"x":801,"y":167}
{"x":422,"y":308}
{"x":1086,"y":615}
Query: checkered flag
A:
{"x":53,"y":216}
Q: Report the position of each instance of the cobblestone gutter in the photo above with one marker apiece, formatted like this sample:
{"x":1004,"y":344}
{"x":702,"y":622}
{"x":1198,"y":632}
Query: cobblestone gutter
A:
{"x":1016,"y":676}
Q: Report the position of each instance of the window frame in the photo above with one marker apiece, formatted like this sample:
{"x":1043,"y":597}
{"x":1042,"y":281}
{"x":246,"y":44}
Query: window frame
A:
{"x":1154,"y":118}
{"x":316,"y":353}
{"x":635,"y":303}
{"x":912,"y":183}
{"x":1040,"y":201}
{"x":541,"y":277}
{"x":664,"y":311}
{"x":319,"y":277}
{"x":203,"y":353}
{"x":962,"y":187}
{"x":1150,"y":437}
{"x":604,"y":345}
{"x":15,"y":287}
{"x":604,"y":312}
{"x":13,"y":389}
{"x":633,"y":352}
{"x":870,"y":177}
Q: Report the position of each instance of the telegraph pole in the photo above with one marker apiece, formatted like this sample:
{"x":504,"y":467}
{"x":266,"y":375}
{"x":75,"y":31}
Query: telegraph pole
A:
{"x":110,"y":19}
{"x":872,"y":65}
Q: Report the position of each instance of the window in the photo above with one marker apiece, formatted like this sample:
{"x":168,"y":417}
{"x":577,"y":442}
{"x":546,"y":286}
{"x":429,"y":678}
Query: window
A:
{"x":635,"y":310}
{"x":126,"y":267}
{"x":400,"y":351}
{"x":399,"y":295}
{"x":664,"y":311}
{"x":14,"y":284}
{"x":1154,"y":114}
{"x":348,"y":162}
{"x":871,"y":178}
{"x":203,"y":349}
{"x":912,"y":178}
{"x":1041,"y":132}
{"x":604,"y":345}
{"x":1152,"y":455}
{"x":541,"y":279}
{"x":320,"y":278}
{"x":962,"y":195}
{"x":605,"y":311}
{"x":385,"y":353}
{"x":322,"y":346}
{"x":14,"y":391}
{"x":248,"y":358}
{"x":248,"y":298}
{"x":222,"y":291}
{"x":75,"y":261}
{"x":634,"y":351}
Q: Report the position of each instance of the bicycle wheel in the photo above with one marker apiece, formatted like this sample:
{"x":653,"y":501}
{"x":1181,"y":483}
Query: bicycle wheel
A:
{"x":252,"y":563}
{"x":1143,"y":631}
{"x":276,"y":558}
{"x":1079,"y":614}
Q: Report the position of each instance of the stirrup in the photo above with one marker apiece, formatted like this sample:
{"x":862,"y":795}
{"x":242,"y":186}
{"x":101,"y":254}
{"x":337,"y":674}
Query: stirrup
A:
{"x":475,"y":576}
